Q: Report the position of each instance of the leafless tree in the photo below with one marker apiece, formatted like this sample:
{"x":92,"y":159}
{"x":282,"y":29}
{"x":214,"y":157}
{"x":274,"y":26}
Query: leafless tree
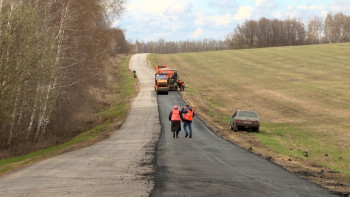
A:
{"x":162,"y":46}
{"x":50,"y":52}
{"x":315,"y":30}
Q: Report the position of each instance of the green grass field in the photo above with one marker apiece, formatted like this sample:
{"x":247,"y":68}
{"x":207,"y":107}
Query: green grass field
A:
{"x":302,"y":95}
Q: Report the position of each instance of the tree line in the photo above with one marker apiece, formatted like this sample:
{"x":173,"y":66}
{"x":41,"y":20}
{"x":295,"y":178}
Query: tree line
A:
{"x":262,"y":33}
{"x":162,"y":46}
{"x":51,"y":54}
{"x":290,"y":32}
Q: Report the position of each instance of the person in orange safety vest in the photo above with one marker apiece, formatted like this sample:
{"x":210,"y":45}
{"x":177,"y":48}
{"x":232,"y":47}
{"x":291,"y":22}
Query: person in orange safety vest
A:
{"x":188,"y":115}
{"x":175,"y":117}
{"x":183,"y":86}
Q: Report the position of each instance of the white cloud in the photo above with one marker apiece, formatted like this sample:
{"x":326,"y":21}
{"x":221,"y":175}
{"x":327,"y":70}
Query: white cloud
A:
{"x":197,"y":33}
{"x":265,"y":4}
{"x":243,"y":12}
{"x":225,"y":6}
{"x":222,"y":19}
{"x":149,"y":6}
{"x":340,"y":6}
{"x":257,"y":3}
{"x":200,"y":20}
{"x":311,"y":7}
{"x":277,"y":15}
{"x":178,"y":8}
{"x":215,"y":20}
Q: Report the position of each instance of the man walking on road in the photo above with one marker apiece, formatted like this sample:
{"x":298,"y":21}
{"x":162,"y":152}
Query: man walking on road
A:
{"x":175,"y":117}
{"x":188,"y":117}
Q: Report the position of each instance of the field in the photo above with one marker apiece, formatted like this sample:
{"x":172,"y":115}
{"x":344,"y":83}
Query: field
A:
{"x":302,"y":95}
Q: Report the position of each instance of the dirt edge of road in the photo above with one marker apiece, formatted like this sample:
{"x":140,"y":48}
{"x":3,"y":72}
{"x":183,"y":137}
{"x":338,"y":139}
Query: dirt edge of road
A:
{"x":326,"y":178}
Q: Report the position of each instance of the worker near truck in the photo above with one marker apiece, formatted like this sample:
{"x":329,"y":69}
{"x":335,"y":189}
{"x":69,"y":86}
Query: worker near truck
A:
{"x":179,"y":84}
{"x":175,"y":76}
{"x":183,"y":86}
{"x":188,"y":115}
{"x":175,"y":117}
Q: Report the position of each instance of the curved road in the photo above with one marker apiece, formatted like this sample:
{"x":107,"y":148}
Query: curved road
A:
{"x":117,"y":166}
{"x":121,"y":165}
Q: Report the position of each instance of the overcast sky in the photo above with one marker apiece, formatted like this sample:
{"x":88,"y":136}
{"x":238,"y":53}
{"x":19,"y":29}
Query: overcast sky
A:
{"x":175,"y":20}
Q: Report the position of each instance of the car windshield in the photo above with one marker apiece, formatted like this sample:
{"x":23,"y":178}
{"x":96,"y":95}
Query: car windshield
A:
{"x":248,"y":114}
{"x":162,"y":77}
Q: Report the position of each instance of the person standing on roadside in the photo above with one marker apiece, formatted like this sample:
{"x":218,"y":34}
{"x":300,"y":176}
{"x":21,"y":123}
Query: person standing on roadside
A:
{"x":183,"y":86}
{"x":179,"y":84}
{"x":175,"y":117}
{"x":188,"y":115}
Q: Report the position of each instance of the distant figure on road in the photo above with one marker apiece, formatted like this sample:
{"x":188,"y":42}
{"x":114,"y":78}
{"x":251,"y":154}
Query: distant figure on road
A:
{"x":188,"y":117}
{"x":179,"y":84}
{"x":175,"y":117}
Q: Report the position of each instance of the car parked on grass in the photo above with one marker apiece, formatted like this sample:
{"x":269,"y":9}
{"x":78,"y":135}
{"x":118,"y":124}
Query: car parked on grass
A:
{"x":245,"y":120}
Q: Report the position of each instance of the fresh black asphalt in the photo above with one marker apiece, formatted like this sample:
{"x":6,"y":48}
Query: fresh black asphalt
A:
{"x":207,"y":165}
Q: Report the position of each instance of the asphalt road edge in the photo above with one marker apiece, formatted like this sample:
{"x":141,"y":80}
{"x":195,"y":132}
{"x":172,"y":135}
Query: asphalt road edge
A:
{"x":212,"y":129}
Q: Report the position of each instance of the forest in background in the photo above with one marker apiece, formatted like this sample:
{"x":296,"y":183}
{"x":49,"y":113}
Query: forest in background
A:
{"x":262,"y":33}
{"x":53,"y":69}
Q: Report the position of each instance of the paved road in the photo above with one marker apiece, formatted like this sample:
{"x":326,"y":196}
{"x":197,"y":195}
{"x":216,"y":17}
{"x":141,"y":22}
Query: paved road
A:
{"x":117,"y":166}
{"x":206,"y":165}
{"x":202,"y":166}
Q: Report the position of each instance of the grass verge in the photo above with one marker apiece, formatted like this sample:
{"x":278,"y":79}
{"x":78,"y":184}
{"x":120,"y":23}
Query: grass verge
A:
{"x":124,"y":91}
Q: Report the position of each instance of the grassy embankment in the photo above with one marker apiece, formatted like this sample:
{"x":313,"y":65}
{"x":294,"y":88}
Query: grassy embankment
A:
{"x":302,"y":95}
{"x":120,"y":100}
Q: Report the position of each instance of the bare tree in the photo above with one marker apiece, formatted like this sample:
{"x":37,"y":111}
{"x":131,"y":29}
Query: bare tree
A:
{"x":315,"y":30}
{"x":336,"y":28}
{"x":50,"y":51}
{"x":162,"y":46}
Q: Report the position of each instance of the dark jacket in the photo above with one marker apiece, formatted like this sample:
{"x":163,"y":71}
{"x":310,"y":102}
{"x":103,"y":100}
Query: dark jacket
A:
{"x":183,"y":111}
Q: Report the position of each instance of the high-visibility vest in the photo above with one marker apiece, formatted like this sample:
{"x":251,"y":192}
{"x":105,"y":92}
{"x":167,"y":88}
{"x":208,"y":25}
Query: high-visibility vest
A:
{"x":188,"y":115}
{"x":176,"y":115}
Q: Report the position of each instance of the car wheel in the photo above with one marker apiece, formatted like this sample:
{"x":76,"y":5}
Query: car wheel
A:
{"x":231,"y":127}
{"x":235,"y":129}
